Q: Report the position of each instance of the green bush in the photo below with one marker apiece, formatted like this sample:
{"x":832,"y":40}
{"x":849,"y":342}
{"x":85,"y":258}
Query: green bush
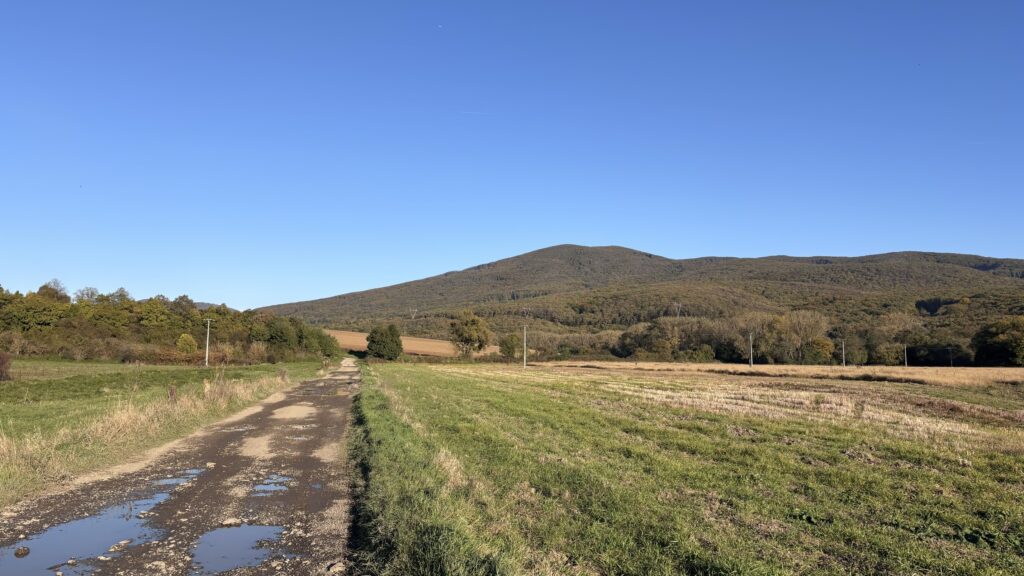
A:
{"x":187,"y":344}
{"x":1000,"y":343}
{"x":384,"y":342}
{"x":509,"y":345}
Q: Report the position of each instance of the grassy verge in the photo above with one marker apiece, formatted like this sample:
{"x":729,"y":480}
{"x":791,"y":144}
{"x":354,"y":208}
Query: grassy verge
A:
{"x":492,"y":470}
{"x":97,"y":415}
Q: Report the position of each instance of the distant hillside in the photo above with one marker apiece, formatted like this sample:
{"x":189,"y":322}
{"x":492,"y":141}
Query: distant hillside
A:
{"x":553,"y":270}
{"x":575,"y":288}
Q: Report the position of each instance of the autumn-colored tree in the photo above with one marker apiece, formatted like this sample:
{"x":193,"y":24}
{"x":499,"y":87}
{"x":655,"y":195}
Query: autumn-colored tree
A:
{"x":469,"y":333}
{"x":187,"y":344}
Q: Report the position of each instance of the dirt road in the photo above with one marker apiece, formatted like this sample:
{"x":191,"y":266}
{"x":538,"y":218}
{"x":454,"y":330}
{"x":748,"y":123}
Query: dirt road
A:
{"x":260,"y":493}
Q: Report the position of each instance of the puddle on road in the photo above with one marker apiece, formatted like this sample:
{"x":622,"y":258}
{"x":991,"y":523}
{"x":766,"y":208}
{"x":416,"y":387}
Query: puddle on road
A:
{"x":225,"y":549}
{"x":82,"y":539}
{"x":297,"y":438}
{"x":187,"y":475}
{"x":273,"y":483}
{"x":86,"y":538}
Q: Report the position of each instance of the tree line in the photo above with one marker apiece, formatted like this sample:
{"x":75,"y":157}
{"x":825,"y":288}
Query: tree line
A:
{"x":794,"y":337}
{"x":808,"y":337}
{"x":115,"y":326}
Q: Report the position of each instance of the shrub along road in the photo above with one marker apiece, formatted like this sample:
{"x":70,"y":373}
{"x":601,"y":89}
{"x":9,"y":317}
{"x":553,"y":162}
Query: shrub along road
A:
{"x":263,"y":492}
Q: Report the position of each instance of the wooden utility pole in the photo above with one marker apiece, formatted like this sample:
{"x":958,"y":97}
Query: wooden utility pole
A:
{"x":524,"y":346}
{"x":906,"y":361}
{"x":844,"y":353}
{"x":751,"y":349}
{"x":206,"y":362}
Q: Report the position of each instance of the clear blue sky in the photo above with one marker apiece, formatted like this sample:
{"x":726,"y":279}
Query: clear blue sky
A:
{"x":263,"y":152}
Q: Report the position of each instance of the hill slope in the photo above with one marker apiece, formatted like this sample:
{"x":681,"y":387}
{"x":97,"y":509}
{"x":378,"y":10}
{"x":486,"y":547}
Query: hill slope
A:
{"x":582,"y":289}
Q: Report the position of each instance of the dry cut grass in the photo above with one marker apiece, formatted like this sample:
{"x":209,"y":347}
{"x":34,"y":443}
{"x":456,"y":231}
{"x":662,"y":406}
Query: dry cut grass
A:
{"x":939,"y":376}
{"x":410,"y":345}
{"x":671,"y":470}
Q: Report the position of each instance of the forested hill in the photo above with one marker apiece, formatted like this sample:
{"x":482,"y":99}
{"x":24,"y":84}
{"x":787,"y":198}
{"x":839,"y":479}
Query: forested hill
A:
{"x":623,"y":286}
{"x":115,"y":326}
{"x":555,"y":270}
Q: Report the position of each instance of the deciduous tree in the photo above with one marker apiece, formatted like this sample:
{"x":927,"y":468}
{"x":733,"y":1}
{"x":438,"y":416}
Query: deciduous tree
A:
{"x":469,"y":333}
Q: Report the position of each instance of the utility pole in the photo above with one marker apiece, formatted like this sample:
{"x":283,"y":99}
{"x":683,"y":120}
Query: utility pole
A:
{"x":906,"y":361}
{"x":524,"y":346}
{"x":751,"y":349}
{"x":950,"y":350}
{"x":844,"y":352}
{"x":207,"y":361}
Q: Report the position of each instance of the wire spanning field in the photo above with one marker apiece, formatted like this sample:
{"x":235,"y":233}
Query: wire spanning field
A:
{"x":558,"y":470}
{"x":410,"y":345}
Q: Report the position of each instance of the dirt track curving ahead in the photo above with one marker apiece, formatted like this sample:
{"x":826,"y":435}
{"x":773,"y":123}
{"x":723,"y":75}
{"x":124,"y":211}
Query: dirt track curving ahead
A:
{"x":263,"y":492}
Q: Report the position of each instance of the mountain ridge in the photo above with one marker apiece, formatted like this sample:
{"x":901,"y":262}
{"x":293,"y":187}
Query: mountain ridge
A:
{"x":560,"y":285}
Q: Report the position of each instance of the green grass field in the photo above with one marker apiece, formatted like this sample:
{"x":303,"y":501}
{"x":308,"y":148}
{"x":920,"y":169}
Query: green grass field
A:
{"x":59,"y":419}
{"x":492,"y":470}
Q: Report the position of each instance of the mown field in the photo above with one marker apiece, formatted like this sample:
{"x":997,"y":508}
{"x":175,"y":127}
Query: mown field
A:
{"x":488,"y":469}
{"x":410,"y":344}
{"x":59,"y":419}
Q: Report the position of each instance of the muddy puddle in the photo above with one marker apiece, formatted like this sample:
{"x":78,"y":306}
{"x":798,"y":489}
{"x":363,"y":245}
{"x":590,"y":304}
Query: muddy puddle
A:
{"x":273,"y":483}
{"x":83,"y":541}
{"x":226,"y":549}
{"x":185,"y":476}
{"x":76,"y":547}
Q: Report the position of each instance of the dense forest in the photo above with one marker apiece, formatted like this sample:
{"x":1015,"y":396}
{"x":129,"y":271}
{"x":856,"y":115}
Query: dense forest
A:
{"x":91,"y":325}
{"x":913,"y":307}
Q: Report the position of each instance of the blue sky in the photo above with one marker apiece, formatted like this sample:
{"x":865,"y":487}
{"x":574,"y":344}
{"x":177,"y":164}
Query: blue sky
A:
{"x":263,"y":152}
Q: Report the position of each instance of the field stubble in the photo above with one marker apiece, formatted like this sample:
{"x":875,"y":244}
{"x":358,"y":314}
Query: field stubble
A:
{"x":566,"y":470}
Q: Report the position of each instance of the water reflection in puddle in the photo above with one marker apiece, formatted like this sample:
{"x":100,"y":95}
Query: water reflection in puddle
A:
{"x":225,"y":549}
{"x":86,"y":538}
{"x":82,"y":539}
{"x":273,"y":483}
{"x":189,"y":474}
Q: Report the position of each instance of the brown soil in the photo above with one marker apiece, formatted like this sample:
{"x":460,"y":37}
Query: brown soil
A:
{"x":420,"y":346}
{"x":279,"y":465}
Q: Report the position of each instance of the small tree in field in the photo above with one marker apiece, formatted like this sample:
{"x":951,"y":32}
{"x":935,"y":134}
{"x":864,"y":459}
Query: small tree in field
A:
{"x":509,"y":345}
{"x":384,"y":342}
{"x":469,"y":333}
{"x":187,"y":344}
